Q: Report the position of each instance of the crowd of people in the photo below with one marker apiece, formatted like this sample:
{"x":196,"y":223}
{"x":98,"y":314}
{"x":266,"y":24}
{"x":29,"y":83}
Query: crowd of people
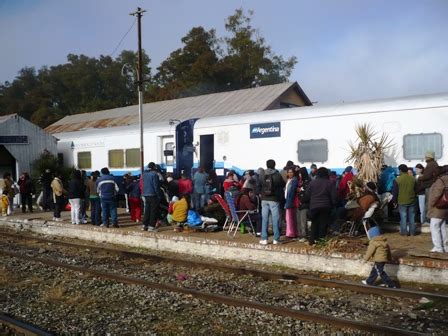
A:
{"x":310,"y":202}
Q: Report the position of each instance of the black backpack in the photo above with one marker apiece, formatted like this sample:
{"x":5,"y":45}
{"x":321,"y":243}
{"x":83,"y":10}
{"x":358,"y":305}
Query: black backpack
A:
{"x":268,"y":185}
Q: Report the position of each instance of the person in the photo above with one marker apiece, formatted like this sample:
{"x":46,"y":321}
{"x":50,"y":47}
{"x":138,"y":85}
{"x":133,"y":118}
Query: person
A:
{"x":322,"y":197}
{"x":84,"y":199}
{"x":291,"y":204}
{"x":172,"y":186}
{"x":247,"y":200}
{"x":284,"y":171}
{"x":313,"y":171}
{"x":94,"y":199}
{"x":249,"y":180}
{"x":26,"y":189}
{"x":404,"y":196}
{"x":385,"y":187}
{"x":127,"y":179}
{"x":365,"y":201}
{"x":229,"y":183}
{"x":151,"y":193}
{"x":438,"y":217}
{"x":271,"y":196}
{"x":4,"y":202}
{"x":9,"y":187}
{"x":134,"y":198}
{"x":58,"y":197}
{"x":420,"y":192}
{"x":410,"y":171}
{"x":107,"y":189}
{"x":76,"y":192}
{"x":379,"y":252}
{"x":185,"y":184}
{"x":428,"y":177}
{"x":344,"y":188}
{"x":199,"y":195}
{"x":47,"y":193}
{"x":180,"y":212}
{"x":302,"y":213}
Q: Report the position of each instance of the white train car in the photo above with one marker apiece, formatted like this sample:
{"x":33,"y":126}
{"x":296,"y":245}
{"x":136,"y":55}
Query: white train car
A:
{"x":320,"y":134}
{"x":117,"y":147}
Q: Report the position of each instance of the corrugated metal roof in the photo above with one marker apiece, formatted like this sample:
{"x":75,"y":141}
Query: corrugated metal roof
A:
{"x":216,"y":104}
{"x":4,"y":118}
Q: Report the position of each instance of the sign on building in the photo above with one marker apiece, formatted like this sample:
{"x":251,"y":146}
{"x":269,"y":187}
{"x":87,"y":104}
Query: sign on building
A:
{"x":13,"y":139}
{"x":267,"y":130}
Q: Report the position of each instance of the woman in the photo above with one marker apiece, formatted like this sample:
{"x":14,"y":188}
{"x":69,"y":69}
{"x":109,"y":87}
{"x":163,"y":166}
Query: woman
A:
{"x":322,"y":195}
{"x":438,"y":216}
{"x":247,"y":200}
{"x":135,"y":203}
{"x":180,"y":212}
{"x":94,"y":198}
{"x":229,"y":183}
{"x":76,"y":191}
{"x":8,"y":186}
{"x":26,"y":189}
{"x":302,"y":213}
{"x":420,"y":192}
{"x":291,"y":204}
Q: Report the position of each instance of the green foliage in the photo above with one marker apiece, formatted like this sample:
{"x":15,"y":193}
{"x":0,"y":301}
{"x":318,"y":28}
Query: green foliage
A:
{"x":204,"y":64}
{"x":48,"y":161}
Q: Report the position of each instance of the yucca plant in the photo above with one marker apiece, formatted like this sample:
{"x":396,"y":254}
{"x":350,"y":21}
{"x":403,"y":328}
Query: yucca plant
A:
{"x":367,"y":153}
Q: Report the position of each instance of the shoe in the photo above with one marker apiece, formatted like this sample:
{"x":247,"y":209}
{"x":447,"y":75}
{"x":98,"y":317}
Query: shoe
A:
{"x":277,"y":242}
{"x":302,"y":240}
{"x":152,"y":229}
{"x":137,"y":221}
{"x":392,"y":286}
{"x":435,"y":250}
{"x":364,"y":282}
{"x":264,"y":242}
{"x":144,"y":228}
{"x":54,"y":218}
{"x":58,"y":219}
{"x":115,"y":226}
{"x":258,"y":234}
{"x":103,"y":225}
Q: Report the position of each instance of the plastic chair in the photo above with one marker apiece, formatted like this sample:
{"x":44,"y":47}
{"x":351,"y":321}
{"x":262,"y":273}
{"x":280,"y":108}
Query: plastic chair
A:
{"x":238,"y":217}
{"x":226,"y":209}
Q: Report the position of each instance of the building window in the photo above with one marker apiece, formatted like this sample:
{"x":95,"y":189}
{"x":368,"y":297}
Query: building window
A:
{"x":84,"y":160}
{"x":133,"y":157}
{"x":169,"y":160}
{"x":416,"y":145}
{"x":312,"y":150}
{"x":116,"y":158}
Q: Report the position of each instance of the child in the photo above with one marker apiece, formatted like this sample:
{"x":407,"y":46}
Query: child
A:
{"x":4,"y":203}
{"x":379,"y":251}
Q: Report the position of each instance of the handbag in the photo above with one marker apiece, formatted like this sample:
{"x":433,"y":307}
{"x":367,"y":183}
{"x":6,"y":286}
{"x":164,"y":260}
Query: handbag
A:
{"x":442,"y":202}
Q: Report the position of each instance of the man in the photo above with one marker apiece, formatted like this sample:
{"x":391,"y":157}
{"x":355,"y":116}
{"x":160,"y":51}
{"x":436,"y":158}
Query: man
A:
{"x":151,"y":193}
{"x":107,"y":189}
{"x":404,"y":196}
{"x":429,"y":175}
{"x":271,"y":196}
{"x":58,"y":198}
{"x":439,"y":216}
{"x":46,"y":179}
{"x":313,"y":171}
{"x":199,"y":181}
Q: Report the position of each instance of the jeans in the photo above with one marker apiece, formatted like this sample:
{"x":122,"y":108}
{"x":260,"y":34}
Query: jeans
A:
{"x":422,"y":207}
{"x":26,"y":199}
{"x":151,"y":211}
{"x":274,"y":208}
{"x":76,"y":210}
{"x":199,"y":200}
{"x":109,"y":208}
{"x":438,"y":234}
{"x":320,"y":221}
{"x":407,"y":215}
{"x":302,"y":222}
{"x":95,"y":211}
{"x":378,"y":269}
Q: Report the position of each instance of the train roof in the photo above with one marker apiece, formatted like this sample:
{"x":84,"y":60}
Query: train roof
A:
{"x":372,"y":106}
{"x":216,"y":104}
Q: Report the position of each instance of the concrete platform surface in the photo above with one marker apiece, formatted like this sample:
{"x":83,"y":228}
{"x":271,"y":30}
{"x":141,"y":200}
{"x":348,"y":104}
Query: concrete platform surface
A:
{"x":412,"y":261}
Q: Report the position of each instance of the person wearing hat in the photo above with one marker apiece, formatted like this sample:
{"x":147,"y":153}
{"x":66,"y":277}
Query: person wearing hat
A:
{"x":404,"y":196}
{"x":429,"y":175}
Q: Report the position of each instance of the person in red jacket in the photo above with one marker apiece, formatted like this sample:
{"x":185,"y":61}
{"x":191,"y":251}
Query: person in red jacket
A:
{"x":344,"y":188}
{"x":230,"y":183}
{"x":185,"y":185}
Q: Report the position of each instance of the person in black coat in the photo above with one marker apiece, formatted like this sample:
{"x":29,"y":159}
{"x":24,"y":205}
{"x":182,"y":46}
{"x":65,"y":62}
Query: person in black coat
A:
{"x":26,"y":188}
{"x":76,"y":192}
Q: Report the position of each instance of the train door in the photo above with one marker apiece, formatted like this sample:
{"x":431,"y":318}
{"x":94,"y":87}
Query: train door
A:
{"x":184,"y":147}
{"x":168,"y":155}
{"x":207,"y":151}
{"x":7,"y":163}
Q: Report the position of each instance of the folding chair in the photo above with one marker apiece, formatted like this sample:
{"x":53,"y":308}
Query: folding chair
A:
{"x":238,"y":217}
{"x":368,"y":217}
{"x":226,"y":209}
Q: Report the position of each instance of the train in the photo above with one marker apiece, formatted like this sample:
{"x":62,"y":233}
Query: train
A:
{"x":304,"y":135}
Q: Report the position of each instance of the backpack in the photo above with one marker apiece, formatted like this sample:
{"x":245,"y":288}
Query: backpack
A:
{"x":442,"y":202}
{"x":268,"y":185}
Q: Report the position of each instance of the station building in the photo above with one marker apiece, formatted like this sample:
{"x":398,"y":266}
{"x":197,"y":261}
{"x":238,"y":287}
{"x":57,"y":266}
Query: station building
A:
{"x":22,"y":142}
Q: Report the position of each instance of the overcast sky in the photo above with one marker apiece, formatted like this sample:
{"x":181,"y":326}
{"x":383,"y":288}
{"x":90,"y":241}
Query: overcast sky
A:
{"x":347,"y":49}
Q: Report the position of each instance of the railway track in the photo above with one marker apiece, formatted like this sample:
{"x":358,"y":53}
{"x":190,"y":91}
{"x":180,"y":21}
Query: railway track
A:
{"x":21,"y":327}
{"x":300,"y":279}
{"x":231,"y":301}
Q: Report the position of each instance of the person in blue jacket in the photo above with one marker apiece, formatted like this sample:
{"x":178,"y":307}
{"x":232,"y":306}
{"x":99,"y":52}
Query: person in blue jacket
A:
{"x":151,"y":193}
{"x":107,"y":189}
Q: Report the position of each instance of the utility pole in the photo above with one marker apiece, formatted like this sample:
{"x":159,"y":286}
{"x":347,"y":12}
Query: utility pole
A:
{"x":139,"y":14}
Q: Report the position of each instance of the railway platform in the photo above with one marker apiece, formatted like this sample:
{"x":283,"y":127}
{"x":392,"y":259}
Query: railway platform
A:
{"x":341,"y":255}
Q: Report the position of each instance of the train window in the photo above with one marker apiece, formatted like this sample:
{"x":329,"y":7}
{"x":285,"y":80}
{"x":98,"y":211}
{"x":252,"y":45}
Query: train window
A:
{"x":312,"y":150}
{"x":416,"y":145}
{"x":133,"y":157}
{"x":116,"y":158}
{"x":169,"y":146}
{"x":84,"y":160}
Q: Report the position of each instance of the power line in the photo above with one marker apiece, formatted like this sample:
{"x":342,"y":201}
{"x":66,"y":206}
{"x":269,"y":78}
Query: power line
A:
{"x":119,"y":43}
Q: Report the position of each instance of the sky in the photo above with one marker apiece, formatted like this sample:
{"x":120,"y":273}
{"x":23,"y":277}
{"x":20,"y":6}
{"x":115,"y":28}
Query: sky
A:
{"x":347,"y":50}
